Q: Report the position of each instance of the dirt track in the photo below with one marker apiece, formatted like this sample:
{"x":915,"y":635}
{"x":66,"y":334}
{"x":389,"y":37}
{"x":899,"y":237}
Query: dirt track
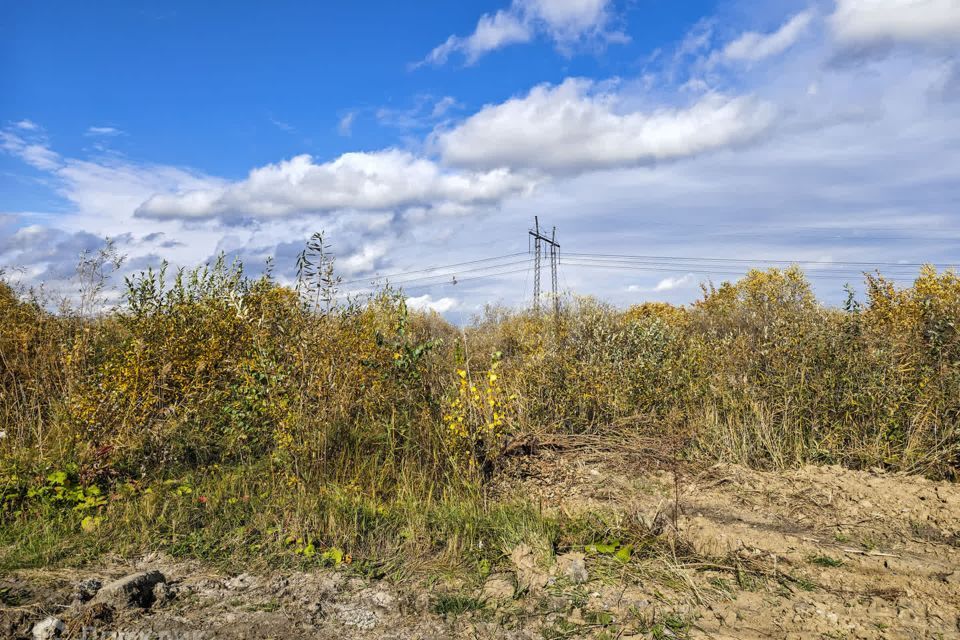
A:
{"x":818,"y":552}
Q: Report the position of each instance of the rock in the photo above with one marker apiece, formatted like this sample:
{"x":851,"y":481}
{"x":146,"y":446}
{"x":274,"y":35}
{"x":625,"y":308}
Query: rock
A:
{"x":378,"y":599}
{"x":529,"y":575}
{"x":730,"y":619}
{"x":360,"y":617}
{"x":135,"y":590}
{"x":498,"y":587}
{"x":241,"y":582}
{"x":48,"y":628}
{"x":574,"y":567}
{"x":85,"y":590}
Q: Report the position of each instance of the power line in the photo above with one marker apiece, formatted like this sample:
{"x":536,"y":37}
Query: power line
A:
{"x":759,"y":260}
{"x":449,"y":274}
{"x":835,"y":270}
{"x":705,"y":270}
{"x":448,"y":283}
{"x":446,"y":266}
{"x":454,"y":274}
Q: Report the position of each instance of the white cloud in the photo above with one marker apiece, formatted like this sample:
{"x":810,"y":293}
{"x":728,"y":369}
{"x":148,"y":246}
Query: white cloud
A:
{"x":570,"y":127}
{"x":427,"y":303}
{"x":753,"y":46}
{"x":103,"y":131}
{"x":27,"y":125}
{"x":492,"y":32}
{"x":442,"y":106}
{"x":566,"y":22}
{"x":383,"y":180}
{"x":280,"y":124}
{"x":882,"y":21}
{"x":425,"y":112}
{"x":667,"y":284}
{"x":34,"y":152}
{"x":345,"y":126}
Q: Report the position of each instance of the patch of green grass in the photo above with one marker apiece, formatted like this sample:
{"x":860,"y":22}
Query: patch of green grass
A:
{"x":268,"y":606}
{"x":561,"y":630}
{"x":825,"y":561}
{"x":804,"y":584}
{"x":672,"y":625}
{"x":455,"y":604}
{"x":600,"y":618}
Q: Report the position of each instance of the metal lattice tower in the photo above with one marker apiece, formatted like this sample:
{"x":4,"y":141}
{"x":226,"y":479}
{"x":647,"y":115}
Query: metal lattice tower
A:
{"x":538,"y":241}
{"x":554,"y":261}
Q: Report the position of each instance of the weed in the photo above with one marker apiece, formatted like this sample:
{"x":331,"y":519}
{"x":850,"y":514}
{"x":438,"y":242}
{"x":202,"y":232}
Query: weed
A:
{"x":217,"y":416}
{"x":456,"y":604}
{"x":825,"y":561}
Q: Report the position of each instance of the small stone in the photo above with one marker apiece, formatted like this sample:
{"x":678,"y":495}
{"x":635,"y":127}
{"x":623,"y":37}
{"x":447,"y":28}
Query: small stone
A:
{"x":48,"y":628}
{"x":85,"y":590}
{"x":574,"y":567}
{"x":133,"y":590}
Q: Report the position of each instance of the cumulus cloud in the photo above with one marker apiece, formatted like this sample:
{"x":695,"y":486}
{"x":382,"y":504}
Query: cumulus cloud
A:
{"x":667,"y":284}
{"x":573,"y":127}
{"x":753,"y":46}
{"x":43,"y":254}
{"x":871,"y":22}
{"x":566,"y":22}
{"x":384,"y":180}
{"x":426,"y":302}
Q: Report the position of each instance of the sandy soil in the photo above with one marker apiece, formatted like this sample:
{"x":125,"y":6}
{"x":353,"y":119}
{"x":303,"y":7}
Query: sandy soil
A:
{"x":821,"y":552}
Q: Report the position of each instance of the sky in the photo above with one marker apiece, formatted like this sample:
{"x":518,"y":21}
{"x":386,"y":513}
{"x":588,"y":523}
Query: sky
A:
{"x":670,"y":144}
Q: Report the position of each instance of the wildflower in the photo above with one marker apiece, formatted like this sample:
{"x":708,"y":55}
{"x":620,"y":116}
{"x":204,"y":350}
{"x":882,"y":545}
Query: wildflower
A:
{"x":202,"y":499}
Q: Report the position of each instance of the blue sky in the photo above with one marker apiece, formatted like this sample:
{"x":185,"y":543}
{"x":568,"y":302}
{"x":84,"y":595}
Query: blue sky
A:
{"x":430,"y":133}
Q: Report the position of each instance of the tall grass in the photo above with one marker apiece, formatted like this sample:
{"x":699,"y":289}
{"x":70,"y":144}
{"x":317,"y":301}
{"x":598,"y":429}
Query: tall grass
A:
{"x":214,"y":414}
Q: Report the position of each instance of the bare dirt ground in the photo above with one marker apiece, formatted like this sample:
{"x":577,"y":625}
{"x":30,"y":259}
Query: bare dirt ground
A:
{"x":821,"y":552}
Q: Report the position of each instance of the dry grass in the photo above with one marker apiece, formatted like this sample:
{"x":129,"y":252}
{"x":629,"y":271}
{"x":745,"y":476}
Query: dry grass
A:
{"x":221,"y":416}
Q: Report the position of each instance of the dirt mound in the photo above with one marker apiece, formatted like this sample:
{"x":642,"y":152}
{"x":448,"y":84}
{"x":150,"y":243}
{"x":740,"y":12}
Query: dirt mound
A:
{"x":857,"y":554}
{"x":817,"y":552}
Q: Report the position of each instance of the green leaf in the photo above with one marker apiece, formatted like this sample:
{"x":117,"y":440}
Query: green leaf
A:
{"x":334,"y":555}
{"x":90,"y":523}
